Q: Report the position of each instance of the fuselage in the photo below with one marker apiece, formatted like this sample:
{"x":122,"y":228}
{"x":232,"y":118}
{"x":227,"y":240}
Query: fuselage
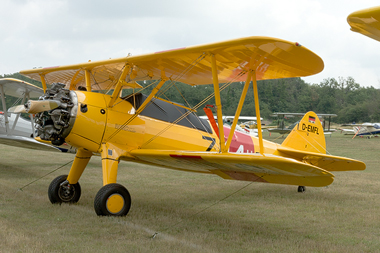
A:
{"x":93,"y":123}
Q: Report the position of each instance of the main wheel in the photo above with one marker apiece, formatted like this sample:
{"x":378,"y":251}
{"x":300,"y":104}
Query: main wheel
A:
{"x":61,"y":191}
{"x":112,"y":200}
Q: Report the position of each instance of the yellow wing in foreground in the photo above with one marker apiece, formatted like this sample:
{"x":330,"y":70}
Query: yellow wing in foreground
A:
{"x":247,"y":167}
{"x":271,"y":58}
{"x":366,"y":22}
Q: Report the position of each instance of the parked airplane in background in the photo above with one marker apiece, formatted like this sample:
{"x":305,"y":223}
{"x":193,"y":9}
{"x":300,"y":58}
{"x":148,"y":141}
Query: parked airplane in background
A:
{"x":15,"y":130}
{"x":150,"y":130}
{"x":365,"y":129}
{"x":281,"y":129}
{"x":248,"y":127}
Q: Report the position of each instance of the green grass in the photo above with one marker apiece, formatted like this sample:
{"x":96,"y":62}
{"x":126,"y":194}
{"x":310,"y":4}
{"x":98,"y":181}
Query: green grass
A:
{"x":342,"y":217}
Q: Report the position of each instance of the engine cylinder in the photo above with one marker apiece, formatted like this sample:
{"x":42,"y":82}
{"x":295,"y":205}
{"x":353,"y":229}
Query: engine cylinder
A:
{"x":54,"y":125}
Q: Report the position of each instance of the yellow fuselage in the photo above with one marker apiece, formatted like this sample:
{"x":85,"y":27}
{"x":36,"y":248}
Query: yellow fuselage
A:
{"x":99,"y":124}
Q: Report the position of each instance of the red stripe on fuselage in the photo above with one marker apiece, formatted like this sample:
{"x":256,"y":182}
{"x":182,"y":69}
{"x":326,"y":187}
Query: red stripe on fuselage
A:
{"x":241,"y":142}
{"x":186,"y":156}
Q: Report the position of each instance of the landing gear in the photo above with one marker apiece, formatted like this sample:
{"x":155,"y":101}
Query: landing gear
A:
{"x":112,"y":200}
{"x":61,"y":191}
{"x":301,"y":189}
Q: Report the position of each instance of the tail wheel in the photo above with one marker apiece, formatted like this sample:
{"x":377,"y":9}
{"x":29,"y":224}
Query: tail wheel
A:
{"x":61,"y":191}
{"x":112,"y":200}
{"x":301,"y":189}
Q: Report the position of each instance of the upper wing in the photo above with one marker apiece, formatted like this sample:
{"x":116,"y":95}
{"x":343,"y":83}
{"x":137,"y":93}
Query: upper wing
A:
{"x":289,"y":114}
{"x":17,"y":88}
{"x":247,"y":167}
{"x":366,"y":22}
{"x":272,"y":58}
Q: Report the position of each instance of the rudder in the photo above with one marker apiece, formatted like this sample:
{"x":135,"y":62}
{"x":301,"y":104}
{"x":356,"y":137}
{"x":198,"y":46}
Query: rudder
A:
{"x":307,"y":135}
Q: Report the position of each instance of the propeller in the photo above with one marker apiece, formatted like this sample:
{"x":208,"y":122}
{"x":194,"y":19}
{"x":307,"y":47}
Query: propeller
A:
{"x":36,"y":106}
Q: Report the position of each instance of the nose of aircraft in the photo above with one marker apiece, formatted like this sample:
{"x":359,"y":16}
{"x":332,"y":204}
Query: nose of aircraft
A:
{"x":55,"y":113}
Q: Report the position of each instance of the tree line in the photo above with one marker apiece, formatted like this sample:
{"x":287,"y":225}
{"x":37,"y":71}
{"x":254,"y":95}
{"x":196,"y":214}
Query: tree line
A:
{"x":342,"y":96}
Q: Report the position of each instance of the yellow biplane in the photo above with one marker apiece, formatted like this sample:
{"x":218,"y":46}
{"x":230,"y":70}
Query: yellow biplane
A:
{"x":150,"y":130}
{"x":366,"y":22}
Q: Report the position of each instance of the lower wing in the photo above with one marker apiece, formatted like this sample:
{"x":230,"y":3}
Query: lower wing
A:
{"x":247,"y":167}
{"x":26,"y":142}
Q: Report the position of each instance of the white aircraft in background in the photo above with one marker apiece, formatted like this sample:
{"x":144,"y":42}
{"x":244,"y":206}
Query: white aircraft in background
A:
{"x":15,"y":130}
{"x":244,"y":127}
{"x":365,"y":129}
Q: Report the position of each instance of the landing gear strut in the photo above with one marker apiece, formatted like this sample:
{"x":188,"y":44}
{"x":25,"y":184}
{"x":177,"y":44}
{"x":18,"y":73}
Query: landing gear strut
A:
{"x":61,"y":191}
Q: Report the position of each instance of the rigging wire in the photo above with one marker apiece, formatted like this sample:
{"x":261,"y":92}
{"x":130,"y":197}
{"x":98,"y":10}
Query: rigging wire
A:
{"x":204,"y":209}
{"x":188,"y":112}
{"x":187,"y":69}
{"x":20,"y":189}
{"x":129,"y":120}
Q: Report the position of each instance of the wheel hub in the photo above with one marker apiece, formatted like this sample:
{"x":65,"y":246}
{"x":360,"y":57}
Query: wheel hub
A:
{"x":66,"y":192}
{"x":115,"y":203}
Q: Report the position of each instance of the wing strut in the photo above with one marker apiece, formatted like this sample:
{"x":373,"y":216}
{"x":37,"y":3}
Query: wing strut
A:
{"x":119,"y":84}
{"x":26,"y":94}
{"x":238,"y":110}
{"x":6,"y":121}
{"x":142,"y":106}
{"x":218,"y":104}
{"x":88,"y":80}
{"x":257,"y":108}
{"x":43,"y":82}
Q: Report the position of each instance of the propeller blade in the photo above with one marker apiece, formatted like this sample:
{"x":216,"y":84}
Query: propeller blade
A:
{"x":41,"y":105}
{"x":17,"y":109}
{"x":35,"y":106}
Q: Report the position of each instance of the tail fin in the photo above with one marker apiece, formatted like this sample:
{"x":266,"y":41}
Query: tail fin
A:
{"x":307,"y":135}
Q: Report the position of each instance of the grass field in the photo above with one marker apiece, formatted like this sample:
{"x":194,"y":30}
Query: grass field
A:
{"x":184,"y":209}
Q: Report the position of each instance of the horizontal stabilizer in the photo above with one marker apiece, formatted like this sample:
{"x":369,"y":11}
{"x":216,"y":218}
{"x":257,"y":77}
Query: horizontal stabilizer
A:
{"x":326,"y":162}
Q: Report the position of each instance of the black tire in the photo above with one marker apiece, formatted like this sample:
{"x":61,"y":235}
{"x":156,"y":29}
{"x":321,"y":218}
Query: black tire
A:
{"x":112,"y":200}
{"x":301,"y":189}
{"x":60,"y":193}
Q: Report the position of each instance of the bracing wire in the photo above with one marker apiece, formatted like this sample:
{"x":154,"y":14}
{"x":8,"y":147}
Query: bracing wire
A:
{"x":187,"y":69}
{"x":60,"y":167}
{"x":188,"y":112}
{"x":172,"y":82}
{"x":204,"y":209}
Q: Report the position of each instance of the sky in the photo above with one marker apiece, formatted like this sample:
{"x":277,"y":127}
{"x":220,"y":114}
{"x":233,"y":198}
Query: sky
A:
{"x":45,"y":33}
